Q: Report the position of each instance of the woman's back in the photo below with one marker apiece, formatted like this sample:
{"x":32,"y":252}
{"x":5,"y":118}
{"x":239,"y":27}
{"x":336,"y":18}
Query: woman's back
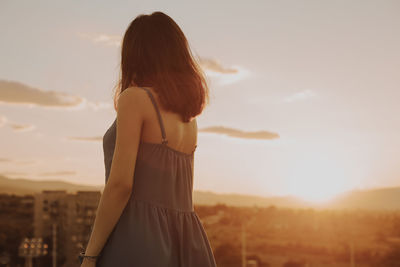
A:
{"x":159,"y":226}
{"x":182,"y":136}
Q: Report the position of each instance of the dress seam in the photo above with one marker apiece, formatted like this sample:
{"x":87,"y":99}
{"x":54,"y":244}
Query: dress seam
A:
{"x":156,"y":205}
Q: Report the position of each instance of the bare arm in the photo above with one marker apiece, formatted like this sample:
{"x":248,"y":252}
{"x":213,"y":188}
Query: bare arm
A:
{"x":118,"y":188}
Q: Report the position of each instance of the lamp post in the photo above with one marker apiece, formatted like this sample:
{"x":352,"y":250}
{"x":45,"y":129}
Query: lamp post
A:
{"x":244,"y":259}
{"x":54,"y":252}
{"x":244,"y":224}
{"x":32,"y":248}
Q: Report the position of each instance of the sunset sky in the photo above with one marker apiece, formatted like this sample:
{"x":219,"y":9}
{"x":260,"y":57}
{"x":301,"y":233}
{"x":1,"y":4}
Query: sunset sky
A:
{"x":318,"y":80}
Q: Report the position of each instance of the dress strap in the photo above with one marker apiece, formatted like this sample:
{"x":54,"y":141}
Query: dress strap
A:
{"x":164,"y":139}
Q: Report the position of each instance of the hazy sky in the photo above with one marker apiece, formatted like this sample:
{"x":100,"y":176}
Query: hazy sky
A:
{"x":318,"y":79}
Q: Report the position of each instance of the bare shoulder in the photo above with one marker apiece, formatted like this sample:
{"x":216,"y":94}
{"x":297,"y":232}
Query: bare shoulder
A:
{"x":131,"y":92}
{"x":132,"y":97}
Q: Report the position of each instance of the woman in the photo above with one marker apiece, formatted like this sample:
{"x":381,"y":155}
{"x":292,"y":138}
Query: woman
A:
{"x":145,"y":215}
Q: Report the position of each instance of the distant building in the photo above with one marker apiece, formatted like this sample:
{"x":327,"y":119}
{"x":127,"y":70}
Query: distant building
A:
{"x":74,"y":216}
{"x":212,"y":219}
{"x":24,"y":204}
{"x":16,"y":223}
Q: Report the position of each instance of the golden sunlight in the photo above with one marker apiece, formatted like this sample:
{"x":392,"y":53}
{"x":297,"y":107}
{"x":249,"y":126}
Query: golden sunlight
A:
{"x":318,"y":177}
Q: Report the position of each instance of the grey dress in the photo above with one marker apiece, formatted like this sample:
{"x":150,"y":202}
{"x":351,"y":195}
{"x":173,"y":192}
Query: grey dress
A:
{"x":158,"y":226}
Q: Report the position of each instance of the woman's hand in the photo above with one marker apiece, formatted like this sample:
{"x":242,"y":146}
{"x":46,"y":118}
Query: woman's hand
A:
{"x":88,"y":263}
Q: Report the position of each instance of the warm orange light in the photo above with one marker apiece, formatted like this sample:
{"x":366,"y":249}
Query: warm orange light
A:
{"x":318,"y":177}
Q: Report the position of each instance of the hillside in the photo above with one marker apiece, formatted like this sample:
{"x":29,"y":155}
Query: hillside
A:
{"x":26,"y":186}
{"x":376,"y":199}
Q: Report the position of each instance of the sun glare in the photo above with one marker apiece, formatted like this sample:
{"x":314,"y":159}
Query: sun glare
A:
{"x":317,"y":178}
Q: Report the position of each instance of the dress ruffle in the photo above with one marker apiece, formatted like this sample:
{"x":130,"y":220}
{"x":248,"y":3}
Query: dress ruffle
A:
{"x":150,"y":235}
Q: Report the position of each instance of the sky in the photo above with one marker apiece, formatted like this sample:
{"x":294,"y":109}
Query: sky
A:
{"x":303,"y":94}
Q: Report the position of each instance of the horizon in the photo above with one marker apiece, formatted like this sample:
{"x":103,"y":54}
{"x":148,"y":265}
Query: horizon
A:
{"x":223,"y":193}
{"x":303,"y":97}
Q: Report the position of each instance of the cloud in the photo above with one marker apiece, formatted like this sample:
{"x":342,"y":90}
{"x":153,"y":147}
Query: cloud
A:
{"x":16,"y":93}
{"x":3,"y":120}
{"x":15,"y":126}
{"x":21,"y":162}
{"x":10,"y":173}
{"x":264,"y":135}
{"x":99,"y":105}
{"x":299,"y":96}
{"x":224,"y":75}
{"x":22,"y":127}
{"x":215,"y":66}
{"x":101,"y":38}
{"x":90,"y":138}
{"x":58,"y":173}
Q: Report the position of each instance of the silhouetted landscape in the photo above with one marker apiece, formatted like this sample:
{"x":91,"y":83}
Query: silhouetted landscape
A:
{"x":376,"y":199}
{"x":268,"y":231}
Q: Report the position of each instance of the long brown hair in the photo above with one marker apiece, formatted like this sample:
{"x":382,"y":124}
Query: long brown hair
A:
{"x":155,"y":53}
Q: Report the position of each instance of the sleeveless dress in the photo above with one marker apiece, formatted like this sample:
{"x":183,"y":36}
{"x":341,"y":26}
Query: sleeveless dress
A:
{"x":158,"y":227}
